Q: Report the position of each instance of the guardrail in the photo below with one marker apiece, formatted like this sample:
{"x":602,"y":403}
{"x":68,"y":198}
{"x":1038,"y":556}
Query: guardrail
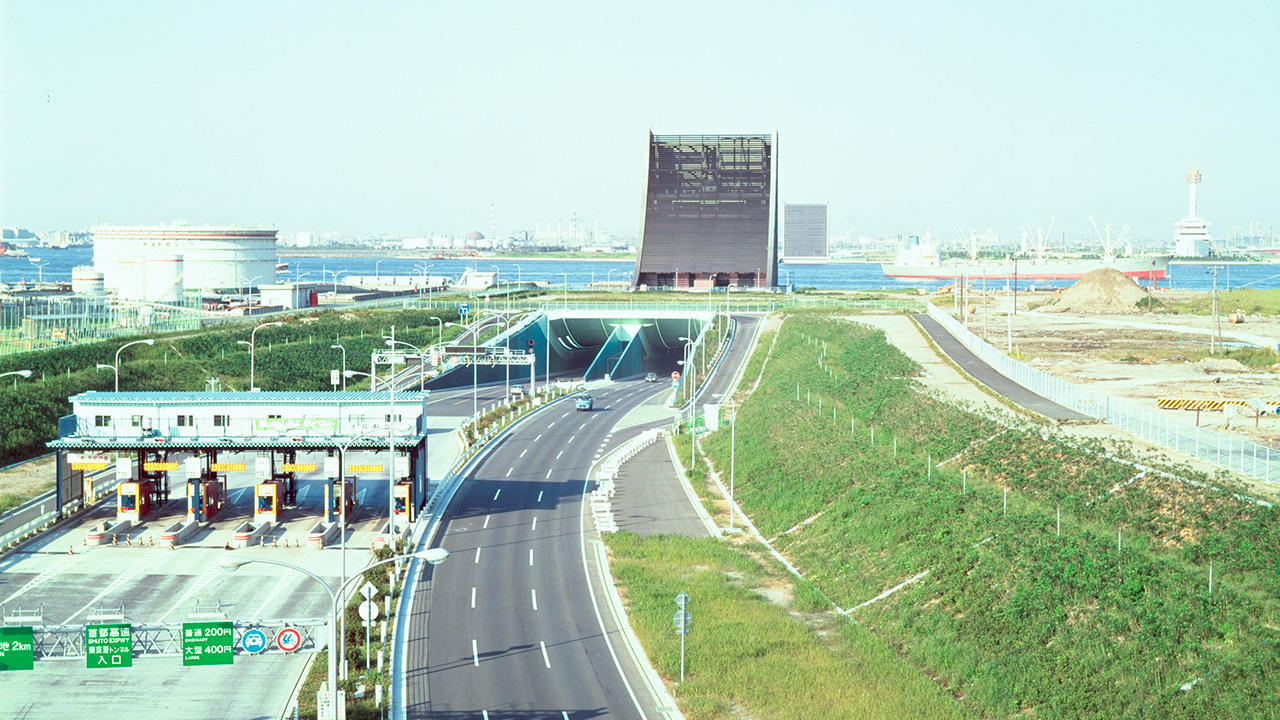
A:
{"x":607,"y":477}
{"x":1150,"y":424}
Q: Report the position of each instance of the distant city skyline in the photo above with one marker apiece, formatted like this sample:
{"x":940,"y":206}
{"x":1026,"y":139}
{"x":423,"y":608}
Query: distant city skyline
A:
{"x":411,"y":118}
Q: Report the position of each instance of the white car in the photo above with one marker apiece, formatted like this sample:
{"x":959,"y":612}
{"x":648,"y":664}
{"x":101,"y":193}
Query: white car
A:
{"x":517,"y":392}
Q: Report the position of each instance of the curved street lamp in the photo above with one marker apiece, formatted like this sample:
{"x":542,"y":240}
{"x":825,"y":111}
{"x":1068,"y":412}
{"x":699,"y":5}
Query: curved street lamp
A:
{"x":422,"y":359}
{"x":252,"y":343}
{"x":17,"y":374}
{"x":115,"y":367}
{"x":339,"y":346}
{"x":232,"y":562}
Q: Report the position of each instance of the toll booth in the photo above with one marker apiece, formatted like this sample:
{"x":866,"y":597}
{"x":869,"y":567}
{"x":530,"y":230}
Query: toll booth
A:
{"x":134,"y":500}
{"x":403,"y":504}
{"x":268,"y":501}
{"x":205,"y":497}
{"x":339,"y":499}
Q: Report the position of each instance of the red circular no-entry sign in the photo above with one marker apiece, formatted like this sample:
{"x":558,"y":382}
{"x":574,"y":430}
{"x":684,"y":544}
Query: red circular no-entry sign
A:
{"x":675,"y":375}
{"x":288,"y":639}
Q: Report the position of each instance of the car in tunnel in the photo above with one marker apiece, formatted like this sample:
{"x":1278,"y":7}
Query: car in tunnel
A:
{"x":651,"y":377}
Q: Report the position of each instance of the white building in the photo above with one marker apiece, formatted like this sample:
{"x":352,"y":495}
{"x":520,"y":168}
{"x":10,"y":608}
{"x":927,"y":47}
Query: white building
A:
{"x":1191,"y":235}
{"x":158,"y":263}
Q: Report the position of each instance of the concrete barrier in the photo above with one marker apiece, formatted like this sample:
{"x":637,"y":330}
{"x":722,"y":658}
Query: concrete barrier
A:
{"x":322,"y":533}
{"x":248,"y":533}
{"x":401,"y":531}
{"x":105,"y":531}
{"x":178,"y":532}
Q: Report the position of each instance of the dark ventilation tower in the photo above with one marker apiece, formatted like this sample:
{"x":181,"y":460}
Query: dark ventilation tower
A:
{"x":710,"y":213}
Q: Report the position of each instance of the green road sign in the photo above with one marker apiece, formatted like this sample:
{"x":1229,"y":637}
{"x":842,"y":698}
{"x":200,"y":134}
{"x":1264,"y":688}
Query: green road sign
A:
{"x":16,"y":651}
{"x":108,"y":646}
{"x":207,"y":643}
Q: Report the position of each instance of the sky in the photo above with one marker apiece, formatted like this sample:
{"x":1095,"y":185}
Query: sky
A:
{"x":420,"y":117}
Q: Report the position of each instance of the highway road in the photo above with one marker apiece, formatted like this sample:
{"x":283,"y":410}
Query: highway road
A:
{"x":510,"y":625}
{"x":507,"y":628}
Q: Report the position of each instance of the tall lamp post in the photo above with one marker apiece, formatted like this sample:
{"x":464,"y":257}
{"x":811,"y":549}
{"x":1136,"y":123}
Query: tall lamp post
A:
{"x":339,"y":346}
{"x":17,"y":374}
{"x":115,"y":367}
{"x":232,"y":562}
{"x":252,"y":343}
{"x":440,"y":337}
{"x":422,"y":360}
{"x":475,"y":404}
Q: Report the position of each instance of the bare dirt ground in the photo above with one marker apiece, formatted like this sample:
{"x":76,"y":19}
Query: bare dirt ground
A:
{"x":28,"y":479}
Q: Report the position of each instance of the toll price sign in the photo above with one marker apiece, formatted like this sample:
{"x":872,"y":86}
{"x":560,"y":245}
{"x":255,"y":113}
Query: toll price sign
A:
{"x":16,"y":648}
{"x":108,"y":646}
{"x":207,"y":643}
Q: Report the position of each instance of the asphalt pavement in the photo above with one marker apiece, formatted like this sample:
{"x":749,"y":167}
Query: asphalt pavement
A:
{"x":511,"y":628}
{"x":982,"y":372}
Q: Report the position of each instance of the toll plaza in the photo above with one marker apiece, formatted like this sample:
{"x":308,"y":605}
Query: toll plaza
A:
{"x":251,"y":457}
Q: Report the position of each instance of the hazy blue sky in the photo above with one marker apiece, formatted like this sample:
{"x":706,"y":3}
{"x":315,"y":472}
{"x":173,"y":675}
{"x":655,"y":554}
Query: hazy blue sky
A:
{"x":413,"y":117}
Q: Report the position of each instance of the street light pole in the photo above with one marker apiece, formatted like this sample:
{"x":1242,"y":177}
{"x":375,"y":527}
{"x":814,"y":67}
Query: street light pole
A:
{"x":232,"y":562}
{"x":344,"y":364}
{"x":422,"y":377}
{"x":733,"y":446}
{"x":253,"y":339}
{"x":115,"y":367}
{"x":17,"y":374}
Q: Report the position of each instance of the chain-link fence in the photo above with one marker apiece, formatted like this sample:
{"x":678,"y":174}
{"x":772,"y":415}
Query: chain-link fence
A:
{"x":1223,"y":449}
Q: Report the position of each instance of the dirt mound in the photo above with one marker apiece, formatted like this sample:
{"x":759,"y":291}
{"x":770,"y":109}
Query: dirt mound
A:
{"x":1101,"y":291}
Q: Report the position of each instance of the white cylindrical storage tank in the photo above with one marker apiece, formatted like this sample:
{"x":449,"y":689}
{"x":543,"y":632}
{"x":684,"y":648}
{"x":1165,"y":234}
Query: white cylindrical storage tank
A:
{"x":87,"y":281}
{"x":164,"y":279}
{"x":131,"y":278}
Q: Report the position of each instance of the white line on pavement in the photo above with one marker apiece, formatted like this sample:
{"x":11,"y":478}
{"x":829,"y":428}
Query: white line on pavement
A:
{"x":477,"y":556}
{"x":583,"y":425}
{"x":553,"y":424}
{"x":522,"y":452}
{"x":496,"y":494}
{"x":535,"y":527}
{"x":475,"y":655}
{"x":535,"y":440}
{"x":545,"y":659}
{"x":539,"y":496}
{"x":509,"y":470}
{"x":486,"y":521}
{"x":533,"y":594}
{"x":473,"y":598}
{"x":559,"y":454}
{"x":549,"y":473}
{"x":530,"y":557}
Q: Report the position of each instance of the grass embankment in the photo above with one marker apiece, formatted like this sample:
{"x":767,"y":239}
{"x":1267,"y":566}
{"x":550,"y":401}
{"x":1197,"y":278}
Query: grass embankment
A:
{"x":751,"y":651}
{"x":295,"y":356}
{"x":1011,"y":617}
{"x":1251,"y":301}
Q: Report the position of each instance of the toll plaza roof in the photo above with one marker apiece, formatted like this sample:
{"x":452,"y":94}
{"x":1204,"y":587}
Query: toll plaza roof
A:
{"x":241,"y":420}
{"x":292,"y":442}
{"x":309,"y":397}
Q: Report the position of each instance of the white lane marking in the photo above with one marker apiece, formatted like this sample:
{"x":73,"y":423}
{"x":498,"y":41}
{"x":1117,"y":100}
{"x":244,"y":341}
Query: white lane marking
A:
{"x":284,"y":581}
{"x":535,"y":527}
{"x":583,"y":425}
{"x":473,"y":598}
{"x":533,"y":594}
{"x":484,"y":715}
{"x":124,"y":579}
{"x":559,"y":454}
{"x":530,"y":557}
{"x":496,"y":494}
{"x":553,"y":424}
{"x":535,"y":440}
{"x":563,"y":714}
{"x":475,"y":655}
{"x":545,"y":659}
{"x":571,"y":437}
{"x":486,"y":521}
{"x":522,"y":452}
{"x":539,"y":496}
{"x":509,"y":471}
{"x":548,"y":473}
{"x":477,"y":556}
